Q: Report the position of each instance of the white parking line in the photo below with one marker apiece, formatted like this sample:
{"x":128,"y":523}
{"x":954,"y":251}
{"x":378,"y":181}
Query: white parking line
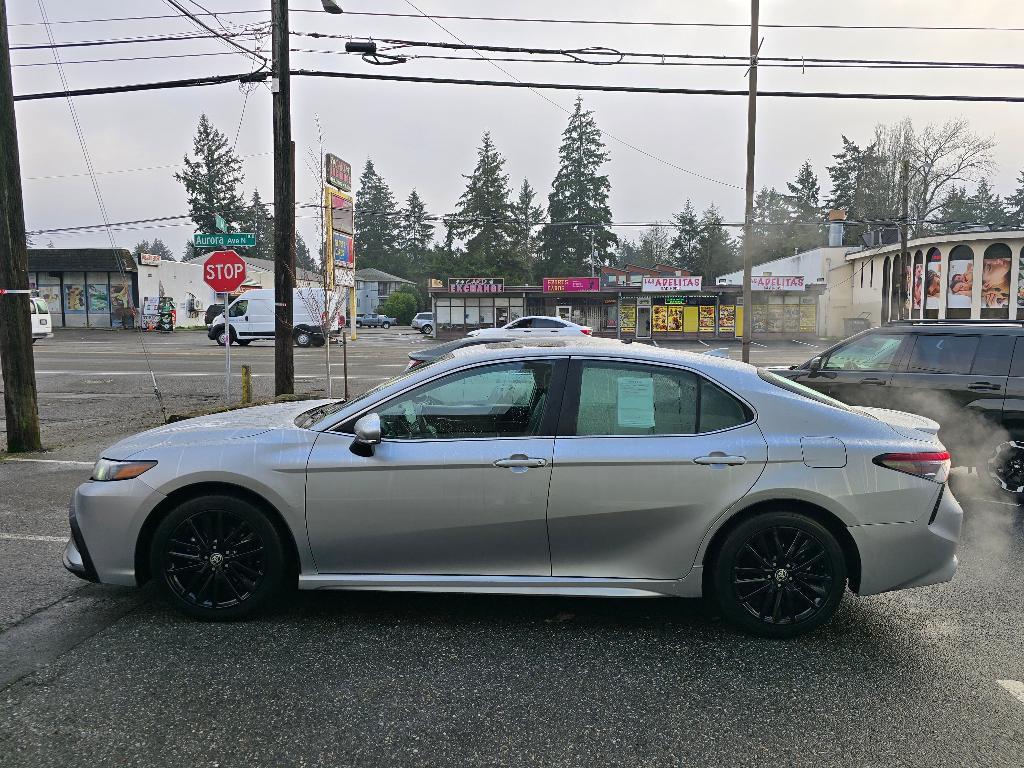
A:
{"x":1014,"y":687}
{"x":51,"y":461}
{"x":30,"y":537}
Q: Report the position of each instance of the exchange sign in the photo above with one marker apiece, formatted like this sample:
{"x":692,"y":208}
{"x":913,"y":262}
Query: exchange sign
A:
{"x":224,"y":271}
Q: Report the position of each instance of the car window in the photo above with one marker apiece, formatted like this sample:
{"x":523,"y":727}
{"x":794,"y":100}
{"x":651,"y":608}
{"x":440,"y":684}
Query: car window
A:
{"x":239,"y":308}
{"x":874,"y":352}
{"x":1017,"y":367}
{"x":41,"y":306}
{"x":548,"y":322}
{"x":505,"y":400}
{"x":993,"y":357}
{"x":634,"y":399}
{"x":33,"y":307}
{"x":526,"y":322}
{"x":939,"y":353}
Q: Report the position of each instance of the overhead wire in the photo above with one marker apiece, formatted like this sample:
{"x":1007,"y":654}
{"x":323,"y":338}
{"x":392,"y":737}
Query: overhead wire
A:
{"x":224,"y":35}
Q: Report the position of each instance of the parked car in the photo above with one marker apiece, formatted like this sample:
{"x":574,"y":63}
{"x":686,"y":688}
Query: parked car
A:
{"x":42,"y":324}
{"x":252,"y":318}
{"x":966,"y":375}
{"x":424,"y":322}
{"x":536,"y":326}
{"x":568,"y":467}
{"x":436,"y":352}
{"x":373,"y":320}
{"x":213,"y":311}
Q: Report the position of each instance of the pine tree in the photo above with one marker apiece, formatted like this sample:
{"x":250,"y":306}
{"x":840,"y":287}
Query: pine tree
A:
{"x":157,"y":246}
{"x":958,"y":210}
{"x":377,"y":222}
{"x":845,"y":178}
{"x":715,"y":249}
{"x":303,"y":258}
{"x":1015,"y":205}
{"x":213,"y":180}
{"x":684,"y":242}
{"x":484,"y":218}
{"x":527,"y":216}
{"x":988,"y":206}
{"x":416,"y":237}
{"x":805,"y":209}
{"x":771,"y":226}
{"x":260,"y":222}
{"x":579,"y":194}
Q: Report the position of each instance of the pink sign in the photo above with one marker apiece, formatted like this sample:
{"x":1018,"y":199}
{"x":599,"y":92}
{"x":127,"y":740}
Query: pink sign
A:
{"x":671,"y":284}
{"x":570,"y":284}
{"x":772,"y":283}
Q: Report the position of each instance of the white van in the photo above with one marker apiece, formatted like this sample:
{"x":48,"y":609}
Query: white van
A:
{"x":42,"y":325}
{"x":252,"y":317}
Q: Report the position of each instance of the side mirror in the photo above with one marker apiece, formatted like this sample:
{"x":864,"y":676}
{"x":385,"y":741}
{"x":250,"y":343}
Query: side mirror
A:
{"x":815,"y":364}
{"x":367,"y":431}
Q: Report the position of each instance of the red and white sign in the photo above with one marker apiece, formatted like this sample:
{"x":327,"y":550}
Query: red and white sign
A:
{"x":773,"y":283}
{"x":224,"y":271}
{"x":571,"y":284}
{"x":671,"y":284}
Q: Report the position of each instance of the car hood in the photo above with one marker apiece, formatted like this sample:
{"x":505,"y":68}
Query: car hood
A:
{"x":215,"y":428}
{"x":909,"y":425}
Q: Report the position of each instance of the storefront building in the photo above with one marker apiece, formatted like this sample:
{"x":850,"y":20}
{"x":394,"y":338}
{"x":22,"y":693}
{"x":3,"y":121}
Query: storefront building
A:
{"x":656,"y":306}
{"x":85,"y":287}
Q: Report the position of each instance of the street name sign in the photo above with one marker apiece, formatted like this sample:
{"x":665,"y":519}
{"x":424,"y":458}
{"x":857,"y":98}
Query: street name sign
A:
{"x":224,"y":271}
{"x":221,"y":240}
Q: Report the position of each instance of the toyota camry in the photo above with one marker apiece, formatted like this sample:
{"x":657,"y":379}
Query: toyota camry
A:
{"x":572,"y":467}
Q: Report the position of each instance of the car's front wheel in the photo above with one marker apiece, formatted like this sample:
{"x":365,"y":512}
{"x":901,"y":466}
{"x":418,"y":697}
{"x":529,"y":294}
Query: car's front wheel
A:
{"x":218,"y":558}
{"x":385,"y":325}
{"x":779,"y":574}
{"x":427,"y":330}
{"x":1006,"y":467}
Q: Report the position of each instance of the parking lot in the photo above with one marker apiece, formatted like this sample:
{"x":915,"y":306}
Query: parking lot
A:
{"x":95,"y":675}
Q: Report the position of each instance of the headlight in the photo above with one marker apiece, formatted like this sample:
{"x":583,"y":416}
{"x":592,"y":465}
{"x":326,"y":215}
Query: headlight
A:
{"x":107,"y":469}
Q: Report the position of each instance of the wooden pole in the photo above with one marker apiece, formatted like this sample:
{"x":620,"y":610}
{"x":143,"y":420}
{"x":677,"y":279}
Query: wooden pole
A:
{"x":748,"y":215}
{"x":21,"y":407}
{"x":284,"y":203}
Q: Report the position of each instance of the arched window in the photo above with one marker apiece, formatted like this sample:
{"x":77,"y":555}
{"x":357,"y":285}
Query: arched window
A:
{"x":917,"y":289}
{"x":995,"y":281}
{"x":961,"y":283}
{"x":932,"y":282}
{"x":886,"y":298}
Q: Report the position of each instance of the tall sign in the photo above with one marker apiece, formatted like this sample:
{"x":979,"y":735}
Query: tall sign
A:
{"x":338,"y":172}
{"x":339,"y":229}
{"x":224,"y":272}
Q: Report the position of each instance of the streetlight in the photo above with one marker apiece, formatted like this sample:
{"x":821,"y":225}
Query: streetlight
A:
{"x":331,"y":6}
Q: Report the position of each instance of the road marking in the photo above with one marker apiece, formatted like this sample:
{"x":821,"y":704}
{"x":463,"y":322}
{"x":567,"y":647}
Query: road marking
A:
{"x":1014,"y":687}
{"x":30,"y":537}
{"x":51,"y":461}
{"x":804,"y":343}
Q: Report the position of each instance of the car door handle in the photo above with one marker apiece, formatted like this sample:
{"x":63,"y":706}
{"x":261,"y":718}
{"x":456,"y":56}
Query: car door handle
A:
{"x":984,"y":386}
{"x":520,"y":460}
{"x":720,"y":458}
{"x":876,"y":382}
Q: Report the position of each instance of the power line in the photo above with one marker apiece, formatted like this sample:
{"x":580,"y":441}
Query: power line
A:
{"x":224,"y":35}
{"x":117,"y":41}
{"x":127,"y":58}
{"x":127,"y":170}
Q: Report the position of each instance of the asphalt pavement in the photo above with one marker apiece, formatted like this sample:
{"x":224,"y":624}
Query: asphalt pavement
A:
{"x":101,"y":676}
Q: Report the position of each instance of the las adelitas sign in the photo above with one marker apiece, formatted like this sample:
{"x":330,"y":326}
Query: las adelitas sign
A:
{"x":671,"y":284}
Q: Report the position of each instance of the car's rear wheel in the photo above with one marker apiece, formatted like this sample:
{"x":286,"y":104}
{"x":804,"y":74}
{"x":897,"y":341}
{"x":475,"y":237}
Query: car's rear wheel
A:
{"x":385,"y":325}
{"x":427,"y":329}
{"x":1006,"y":467}
{"x":303,"y":338}
{"x":779,"y":574}
{"x":222,"y":337}
{"x":243,"y":342}
{"x":218,"y":558}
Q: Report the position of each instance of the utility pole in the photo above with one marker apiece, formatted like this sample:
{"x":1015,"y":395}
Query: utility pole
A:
{"x":748,"y":216}
{"x":905,"y":215}
{"x":21,"y":408}
{"x":284,"y":203}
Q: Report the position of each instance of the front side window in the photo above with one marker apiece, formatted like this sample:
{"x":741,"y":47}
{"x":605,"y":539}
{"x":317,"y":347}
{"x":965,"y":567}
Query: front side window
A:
{"x":41,"y":306}
{"x":943,"y":354}
{"x":506,"y":400}
{"x":518,"y":325}
{"x":874,"y":352}
{"x":239,"y":308}
{"x":548,"y":322}
{"x":634,"y":399}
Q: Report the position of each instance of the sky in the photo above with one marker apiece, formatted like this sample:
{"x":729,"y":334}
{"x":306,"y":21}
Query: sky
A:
{"x":426,"y":136}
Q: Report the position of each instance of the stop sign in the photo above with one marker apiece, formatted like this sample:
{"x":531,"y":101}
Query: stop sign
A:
{"x":224,"y":271}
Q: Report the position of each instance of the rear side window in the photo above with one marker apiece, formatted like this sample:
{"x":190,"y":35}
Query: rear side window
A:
{"x":993,"y":358}
{"x":936,"y":353}
{"x":1017,"y":369}
{"x":547,"y":322}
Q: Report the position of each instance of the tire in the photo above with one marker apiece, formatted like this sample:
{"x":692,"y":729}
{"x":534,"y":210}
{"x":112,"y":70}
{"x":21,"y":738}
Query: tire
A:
{"x":207,"y":580}
{"x":427,"y":330}
{"x":385,"y":326}
{"x":303,"y":338}
{"x":219,"y":338}
{"x":1006,"y":468}
{"x":765,"y":587}
{"x":358,"y":324}
{"x":318,"y":340}
{"x":243,"y":342}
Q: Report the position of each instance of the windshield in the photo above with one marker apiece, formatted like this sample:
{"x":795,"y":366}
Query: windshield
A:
{"x":800,"y":389}
{"x":307,"y":419}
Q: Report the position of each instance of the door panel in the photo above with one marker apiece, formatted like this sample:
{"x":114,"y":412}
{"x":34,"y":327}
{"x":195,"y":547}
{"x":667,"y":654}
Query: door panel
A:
{"x":638,"y":507}
{"x":429,"y":507}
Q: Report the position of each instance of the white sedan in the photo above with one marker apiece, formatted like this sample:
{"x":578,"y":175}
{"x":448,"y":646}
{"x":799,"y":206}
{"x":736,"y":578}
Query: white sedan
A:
{"x":536,"y":325}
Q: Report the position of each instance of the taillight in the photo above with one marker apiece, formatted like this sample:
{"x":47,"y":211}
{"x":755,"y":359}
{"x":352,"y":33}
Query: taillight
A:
{"x":931,"y":465}
{"x":587,"y":331}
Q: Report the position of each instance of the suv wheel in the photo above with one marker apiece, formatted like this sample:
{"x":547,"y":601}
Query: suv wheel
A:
{"x":385,"y":324}
{"x":303,"y":338}
{"x":1006,"y":467}
{"x":779,"y":574}
{"x":218,"y":558}
{"x":427,"y":329}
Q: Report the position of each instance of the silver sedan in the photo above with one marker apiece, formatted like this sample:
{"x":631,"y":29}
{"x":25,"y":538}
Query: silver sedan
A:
{"x":572,"y":468}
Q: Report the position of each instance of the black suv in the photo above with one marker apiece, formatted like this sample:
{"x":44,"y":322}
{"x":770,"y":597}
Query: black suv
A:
{"x":966,"y":375}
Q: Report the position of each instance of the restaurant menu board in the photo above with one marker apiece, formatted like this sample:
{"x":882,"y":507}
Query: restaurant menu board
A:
{"x":759,"y":318}
{"x":627,"y":318}
{"x":791,"y":318}
{"x":659,"y":318}
{"x":706,"y":319}
{"x":727,"y":317}
{"x":808,"y":318}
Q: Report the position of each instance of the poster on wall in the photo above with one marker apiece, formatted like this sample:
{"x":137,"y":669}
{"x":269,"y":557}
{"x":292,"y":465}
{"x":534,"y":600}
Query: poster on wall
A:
{"x":727,"y":317}
{"x":675,"y":318}
{"x":906,"y":290}
{"x":627,"y":317}
{"x":706,"y":318}
{"x":933,"y":279}
{"x":99,"y":299}
{"x":121,"y":315}
{"x":775,"y":317}
{"x":995,"y":282}
{"x":74,"y":299}
{"x":791,"y":318}
{"x":659,"y":318}
{"x":808,"y":318}
{"x":1020,"y":282}
{"x":759,"y":318}
{"x":961,"y":283}
{"x":918,"y":284}
{"x":51,"y":295}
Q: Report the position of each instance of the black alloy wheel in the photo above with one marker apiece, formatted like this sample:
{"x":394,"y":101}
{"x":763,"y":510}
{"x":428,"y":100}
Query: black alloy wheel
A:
{"x":217,"y":558}
{"x":426,"y":330}
{"x":1006,"y":467}
{"x":780,"y":574}
{"x":303,"y":338}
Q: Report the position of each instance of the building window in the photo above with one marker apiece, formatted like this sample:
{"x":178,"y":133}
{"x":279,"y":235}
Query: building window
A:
{"x":995,"y":281}
{"x":961,"y":283}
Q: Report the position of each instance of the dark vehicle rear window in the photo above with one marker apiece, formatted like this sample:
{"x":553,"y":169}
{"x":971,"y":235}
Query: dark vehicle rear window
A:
{"x":939,"y":353}
{"x":993,"y":358}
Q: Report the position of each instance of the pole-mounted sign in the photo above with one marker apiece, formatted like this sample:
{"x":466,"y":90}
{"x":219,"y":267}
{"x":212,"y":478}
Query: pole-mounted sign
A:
{"x":224,"y":272}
